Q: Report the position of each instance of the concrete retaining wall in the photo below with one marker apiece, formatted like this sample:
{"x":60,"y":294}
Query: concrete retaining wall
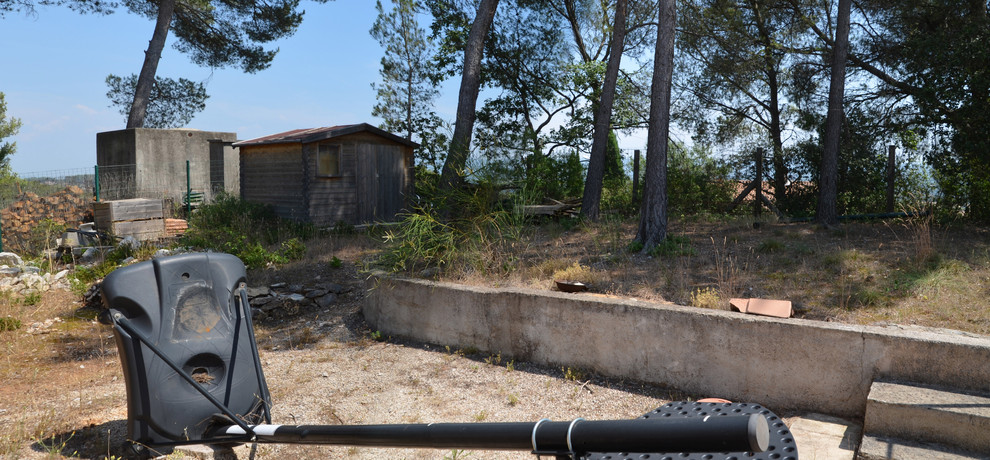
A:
{"x":781,"y":363}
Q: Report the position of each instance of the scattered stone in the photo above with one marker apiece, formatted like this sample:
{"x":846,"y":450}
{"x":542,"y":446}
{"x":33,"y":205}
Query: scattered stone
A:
{"x":327,"y":300}
{"x":162,"y":253}
{"x":296,"y":297}
{"x":130,"y":241}
{"x":253,"y":292}
{"x":278,"y":285}
{"x":9,"y":271}
{"x":312,"y":294}
{"x":295,"y":287}
{"x":10,"y":259}
{"x":89,"y":256}
{"x":259,"y":301}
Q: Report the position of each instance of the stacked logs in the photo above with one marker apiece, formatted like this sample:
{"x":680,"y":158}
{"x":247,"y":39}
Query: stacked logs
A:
{"x":24,"y":221}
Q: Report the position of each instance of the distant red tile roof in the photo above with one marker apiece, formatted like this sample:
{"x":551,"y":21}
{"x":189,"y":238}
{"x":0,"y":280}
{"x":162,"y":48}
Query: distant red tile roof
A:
{"x":305,"y":136}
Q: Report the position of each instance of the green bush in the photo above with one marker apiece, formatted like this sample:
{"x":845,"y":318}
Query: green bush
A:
{"x":247,"y":230}
{"x":9,"y":323}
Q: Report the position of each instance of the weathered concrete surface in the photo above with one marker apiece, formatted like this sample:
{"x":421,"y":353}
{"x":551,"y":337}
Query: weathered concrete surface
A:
{"x":780,"y":363}
{"x":139,"y":161}
{"x":929,"y":414}
{"x":878,"y":448}
{"x":824,"y":437}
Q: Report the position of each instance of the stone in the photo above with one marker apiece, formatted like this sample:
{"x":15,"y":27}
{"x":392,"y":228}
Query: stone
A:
{"x":296,"y":297}
{"x":326,"y":300}
{"x":259,"y":301}
{"x":130,"y":241}
{"x":11,"y":259}
{"x":316,"y":293}
{"x":253,"y":292}
{"x":89,"y":256}
{"x":9,"y":271}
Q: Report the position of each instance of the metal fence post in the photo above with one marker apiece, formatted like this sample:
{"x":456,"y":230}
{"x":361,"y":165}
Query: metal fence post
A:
{"x":188,"y":193}
{"x":96,"y":182}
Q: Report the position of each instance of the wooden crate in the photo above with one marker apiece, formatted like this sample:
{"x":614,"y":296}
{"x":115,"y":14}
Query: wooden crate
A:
{"x":141,"y":218}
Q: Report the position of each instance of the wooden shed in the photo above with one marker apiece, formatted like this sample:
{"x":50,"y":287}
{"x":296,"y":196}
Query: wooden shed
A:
{"x":352,"y":173}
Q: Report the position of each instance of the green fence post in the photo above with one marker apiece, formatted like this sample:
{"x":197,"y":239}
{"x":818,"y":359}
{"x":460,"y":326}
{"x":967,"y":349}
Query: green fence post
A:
{"x":188,"y":193}
{"x":96,"y":182}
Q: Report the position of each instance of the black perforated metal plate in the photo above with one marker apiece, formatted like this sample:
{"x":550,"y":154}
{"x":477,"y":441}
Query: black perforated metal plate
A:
{"x":782,"y":445}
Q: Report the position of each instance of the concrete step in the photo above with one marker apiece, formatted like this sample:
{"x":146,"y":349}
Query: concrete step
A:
{"x":926,"y":415}
{"x":876,"y":448}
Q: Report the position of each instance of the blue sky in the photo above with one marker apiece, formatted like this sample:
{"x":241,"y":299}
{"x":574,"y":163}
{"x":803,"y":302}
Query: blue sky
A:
{"x":54,"y":65}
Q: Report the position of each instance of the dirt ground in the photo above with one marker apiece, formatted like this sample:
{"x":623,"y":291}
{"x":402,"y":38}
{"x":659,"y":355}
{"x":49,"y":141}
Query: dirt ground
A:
{"x":62,"y":391}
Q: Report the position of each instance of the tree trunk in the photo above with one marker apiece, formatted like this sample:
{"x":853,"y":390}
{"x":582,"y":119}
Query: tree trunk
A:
{"x":653,"y":213}
{"x":603,"y":117}
{"x":826,"y":213}
{"x":773,"y":88}
{"x":460,"y":144}
{"x":146,"y":80}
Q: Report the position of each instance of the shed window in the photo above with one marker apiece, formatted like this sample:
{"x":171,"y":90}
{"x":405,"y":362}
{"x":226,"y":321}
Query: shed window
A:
{"x":328,"y":160}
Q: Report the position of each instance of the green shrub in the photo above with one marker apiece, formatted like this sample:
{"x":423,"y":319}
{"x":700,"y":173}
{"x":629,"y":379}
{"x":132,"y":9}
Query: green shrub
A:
{"x":673,"y":246}
{"x":247,"y":230}
{"x":9,"y":323}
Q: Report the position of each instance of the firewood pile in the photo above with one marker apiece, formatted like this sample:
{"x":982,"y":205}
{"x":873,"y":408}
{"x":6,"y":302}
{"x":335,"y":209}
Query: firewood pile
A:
{"x":23,"y":220}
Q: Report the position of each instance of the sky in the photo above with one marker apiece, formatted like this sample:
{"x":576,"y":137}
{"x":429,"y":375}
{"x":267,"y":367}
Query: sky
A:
{"x":53,"y":67}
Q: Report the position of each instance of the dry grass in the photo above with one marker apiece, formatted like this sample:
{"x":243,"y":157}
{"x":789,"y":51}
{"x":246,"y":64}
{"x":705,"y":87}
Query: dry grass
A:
{"x":905,"y":271}
{"x":61,"y":378}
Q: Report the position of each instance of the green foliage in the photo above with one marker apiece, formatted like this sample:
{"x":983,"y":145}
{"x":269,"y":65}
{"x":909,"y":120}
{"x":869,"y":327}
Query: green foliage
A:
{"x":31,"y":299}
{"x":471,"y":236}
{"x":246,"y":230}
{"x":696,"y":181}
{"x":336,"y":263}
{"x":9,"y":323}
{"x":8,"y":128}
{"x":553,"y":176}
{"x":406,"y":90}
{"x":673,"y":246}
{"x":172,"y":104}
{"x":43,"y":235}
{"x":614,"y":174}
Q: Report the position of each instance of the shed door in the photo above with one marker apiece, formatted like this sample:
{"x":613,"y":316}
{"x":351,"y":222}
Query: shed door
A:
{"x":380,"y":175}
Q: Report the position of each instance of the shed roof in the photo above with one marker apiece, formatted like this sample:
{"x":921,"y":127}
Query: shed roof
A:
{"x":305,"y":136}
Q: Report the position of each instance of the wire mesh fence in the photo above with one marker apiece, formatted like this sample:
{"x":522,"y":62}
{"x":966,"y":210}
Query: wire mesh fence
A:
{"x":37,"y":207}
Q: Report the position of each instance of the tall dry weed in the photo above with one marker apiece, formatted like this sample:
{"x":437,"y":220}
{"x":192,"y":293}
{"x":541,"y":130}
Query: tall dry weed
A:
{"x":920,"y":220}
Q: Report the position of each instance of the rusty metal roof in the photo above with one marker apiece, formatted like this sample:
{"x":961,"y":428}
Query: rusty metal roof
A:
{"x":305,"y":136}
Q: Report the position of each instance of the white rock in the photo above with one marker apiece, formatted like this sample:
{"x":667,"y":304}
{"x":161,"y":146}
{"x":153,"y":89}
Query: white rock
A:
{"x":9,"y":258}
{"x":130,"y":241}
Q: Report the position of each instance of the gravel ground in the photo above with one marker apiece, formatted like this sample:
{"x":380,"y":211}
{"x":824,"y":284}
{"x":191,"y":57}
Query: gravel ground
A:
{"x":323,"y":366}
{"x":370,"y":382}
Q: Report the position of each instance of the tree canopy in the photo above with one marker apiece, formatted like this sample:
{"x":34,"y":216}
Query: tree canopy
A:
{"x":8,"y":127}
{"x":172,"y":103}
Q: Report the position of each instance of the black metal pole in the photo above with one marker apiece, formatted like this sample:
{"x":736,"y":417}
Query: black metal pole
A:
{"x":696,"y":434}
